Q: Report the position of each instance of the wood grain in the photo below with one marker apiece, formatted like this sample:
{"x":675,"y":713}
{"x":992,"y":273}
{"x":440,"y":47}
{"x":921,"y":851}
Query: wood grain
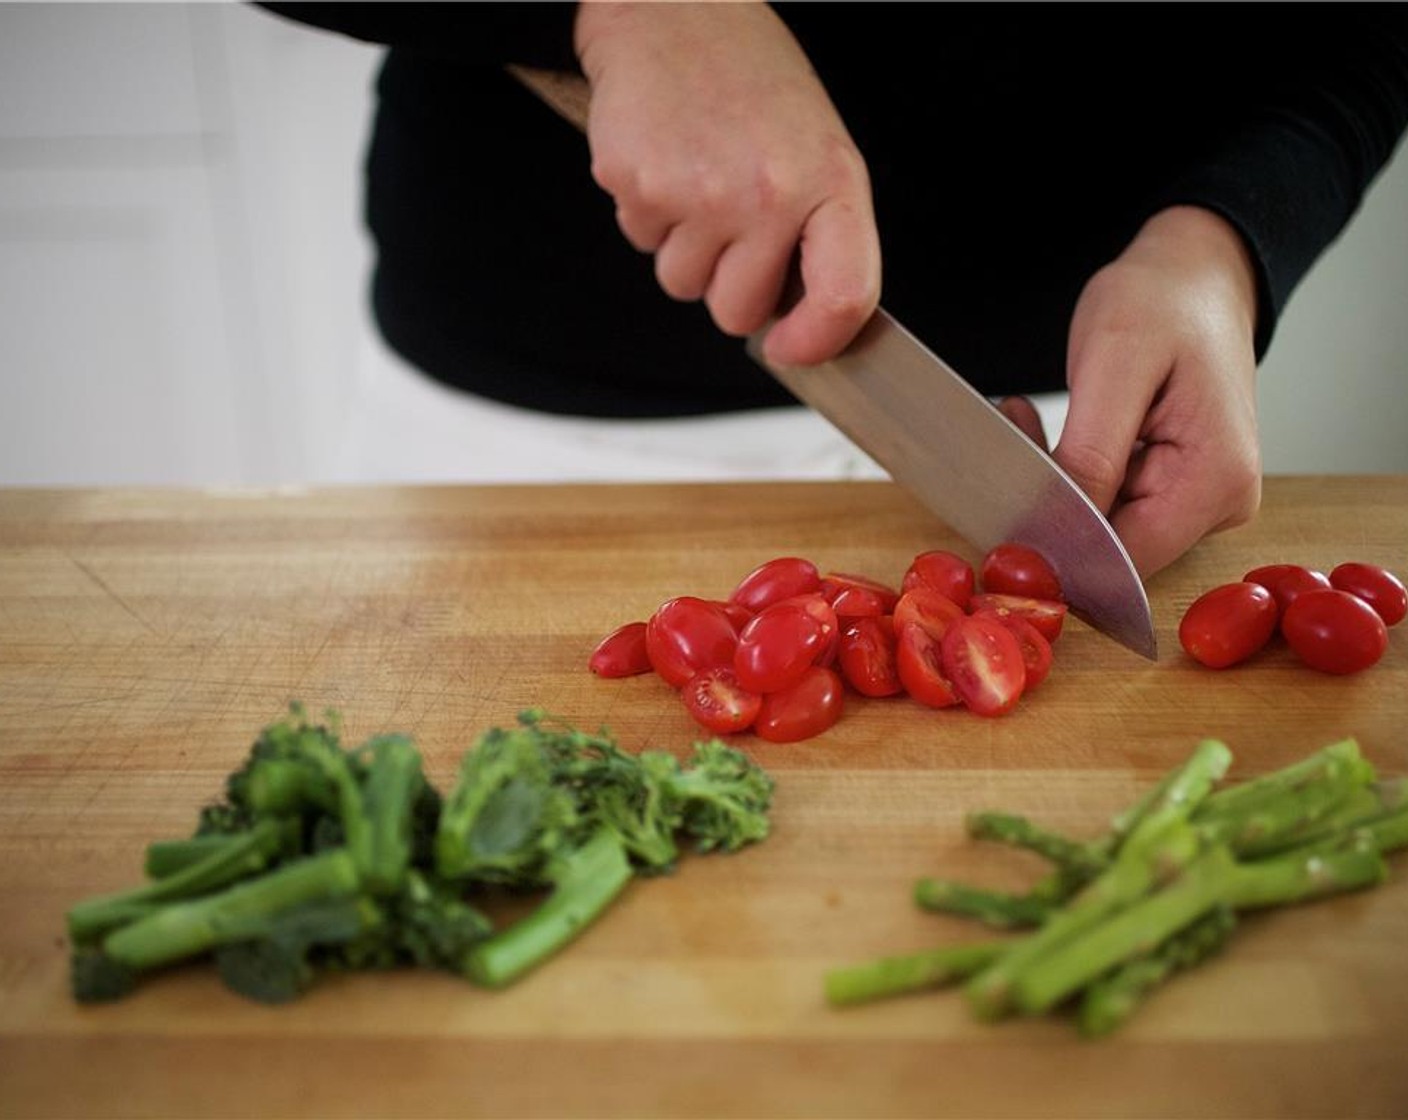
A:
{"x":145,"y":637}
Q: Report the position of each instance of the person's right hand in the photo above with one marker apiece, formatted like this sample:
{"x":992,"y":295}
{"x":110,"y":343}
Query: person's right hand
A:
{"x":726,"y":160}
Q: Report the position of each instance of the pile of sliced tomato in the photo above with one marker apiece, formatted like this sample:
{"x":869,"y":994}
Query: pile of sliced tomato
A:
{"x":779,"y":654}
{"x":1336,"y":623}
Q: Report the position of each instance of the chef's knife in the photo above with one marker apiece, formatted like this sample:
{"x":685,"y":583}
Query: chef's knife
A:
{"x":950,"y":447}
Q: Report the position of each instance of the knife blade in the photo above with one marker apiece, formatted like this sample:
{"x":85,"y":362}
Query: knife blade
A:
{"x":949,"y":446}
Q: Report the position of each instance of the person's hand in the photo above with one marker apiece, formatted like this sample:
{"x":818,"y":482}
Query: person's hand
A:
{"x":726,"y":159}
{"x":1161,"y":427}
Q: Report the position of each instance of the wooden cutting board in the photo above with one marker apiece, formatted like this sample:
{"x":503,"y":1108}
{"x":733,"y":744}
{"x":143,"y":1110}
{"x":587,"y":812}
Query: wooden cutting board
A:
{"x":145,"y":637}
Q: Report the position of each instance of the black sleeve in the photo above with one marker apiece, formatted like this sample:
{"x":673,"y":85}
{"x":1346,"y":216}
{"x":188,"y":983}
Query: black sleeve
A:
{"x":531,"y":34}
{"x":1331,"y":107}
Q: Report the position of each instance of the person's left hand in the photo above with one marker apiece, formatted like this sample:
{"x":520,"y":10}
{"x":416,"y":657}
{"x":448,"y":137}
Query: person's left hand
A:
{"x":1161,"y":429}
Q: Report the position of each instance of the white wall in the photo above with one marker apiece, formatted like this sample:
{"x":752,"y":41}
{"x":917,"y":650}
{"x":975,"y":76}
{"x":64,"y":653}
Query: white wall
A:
{"x":182,"y":266}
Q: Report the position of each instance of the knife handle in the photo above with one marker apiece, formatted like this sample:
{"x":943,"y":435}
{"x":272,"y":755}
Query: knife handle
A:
{"x":567,"y":94}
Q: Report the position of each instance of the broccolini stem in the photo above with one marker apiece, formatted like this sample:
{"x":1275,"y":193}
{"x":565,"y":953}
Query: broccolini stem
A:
{"x":393,"y":784}
{"x":911,"y":972}
{"x":585,"y":882}
{"x":246,"y":854}
{"x":187,"y":928}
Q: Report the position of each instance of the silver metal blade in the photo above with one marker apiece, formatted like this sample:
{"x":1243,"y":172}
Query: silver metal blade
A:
{"x":947,"y":444}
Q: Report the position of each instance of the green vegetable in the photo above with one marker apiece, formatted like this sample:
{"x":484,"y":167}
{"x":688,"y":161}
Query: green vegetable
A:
{"x":319,"y":858}
{"x":1159,"y":893}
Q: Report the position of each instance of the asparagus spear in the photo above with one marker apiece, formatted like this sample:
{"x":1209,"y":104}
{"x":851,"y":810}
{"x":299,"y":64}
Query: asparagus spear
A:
{"x":910,"y":972}
{"x":993,"y":908}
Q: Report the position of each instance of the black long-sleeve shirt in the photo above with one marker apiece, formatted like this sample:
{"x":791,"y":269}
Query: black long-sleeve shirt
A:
{"x":1012,"y":150}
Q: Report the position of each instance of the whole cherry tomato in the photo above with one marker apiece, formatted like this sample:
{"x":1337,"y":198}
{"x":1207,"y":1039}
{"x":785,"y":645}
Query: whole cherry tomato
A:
{"x":984,"y":661}
{"x":621,"y":653}
{"x":776,"y":580}
{"x":854,"y":596}
{"x":1286,"y":581}
{"x":867,"y":655}
{"x":946,"y":572}
{"x":1226,"y":625}
{"x":719,"y":703}
{"x":685,"y":635}
{"x":919,"y":662}
{"x":778,"y":645}
{"x":1047,"y":615}
{"x":1378,"y":587}
{"x":927,"y":607}
{"x":1016,"y":569}
{"x":804,"y":709}
{"x":1334,"y":631}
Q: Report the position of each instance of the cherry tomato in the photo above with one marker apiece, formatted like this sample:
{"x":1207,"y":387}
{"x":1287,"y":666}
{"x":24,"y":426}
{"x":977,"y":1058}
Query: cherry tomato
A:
{"x":1378,"y":587}
{"x":984,"y":661}
{"x":825,"y":615}
{"x":778,"y":646}
{"x":1047,"y":615}
{"x":1036,"y":650}
{"x":685,"y":635}
{"x":1015,"y":569}
{"x":946,"y":572}
{"x":919,"y":665}
{"x":621,"y":653}
{"x":719,"y":703}
{"x":1334,"y":631}
{"x":805,"y":709}
{"x":853,"y":596}
{"x":737,"y":613}
{"x":1286,"y":581}
{"x":1228,"y":624}
{"x":774,"y":581}
{"x":867,"y":655}
{"x":927,"y":607}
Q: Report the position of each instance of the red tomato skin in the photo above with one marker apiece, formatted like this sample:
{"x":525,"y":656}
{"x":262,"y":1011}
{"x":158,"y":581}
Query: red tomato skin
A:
{"x":1016,"y":569}
{"x":1047,"y":615}
{"x":867,"y":656}
{"x":812,"y":705}
{"x":1036,"y":650}
{"x":1334,"y":631}
{"x":737,"y":613}
{"x":984,"y":661}
{"x":919,"y":665}
{"x":927,"y":607}
{"x":1286,"y":581}
{"x":857,"y":601}
{"x":685,"y":635}
{"x":719,"y":703}
{"x":775,"y":580}
{"x":946,"y":572}
{"x":1377,"y":586}
{"x":857,"y":589}
{"x":621,"y":653}
{"x":778,"y":646}
{"x":1226,"y":625}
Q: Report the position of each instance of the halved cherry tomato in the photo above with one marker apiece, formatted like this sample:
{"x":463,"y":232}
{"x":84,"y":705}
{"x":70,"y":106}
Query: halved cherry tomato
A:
{"x":919,"y":662}
{"x":621,"y":653}
{"x":1378,"y":587}
{"x":778,"y":645}
{"x":927,"y":607}
{"x":854,"y":596}
{"x":1226,"y":625}
{"x":687,"y":634}
{"x":1016,"y":569}
{"x":776,"y":580}
{"x":1286,"y":581}
{"x":719,"y":703}
{"x":984,"y":661}
{"x":1047,"y":615}
{"x":805,"y":709}
{"x":946,"y":572}
{"x":1334,"y":631}
{"x":867,"y":655}
{"x":1036,"y":650}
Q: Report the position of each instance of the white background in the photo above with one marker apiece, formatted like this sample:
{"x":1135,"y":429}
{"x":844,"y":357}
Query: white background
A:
{"x":183,"y":268}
